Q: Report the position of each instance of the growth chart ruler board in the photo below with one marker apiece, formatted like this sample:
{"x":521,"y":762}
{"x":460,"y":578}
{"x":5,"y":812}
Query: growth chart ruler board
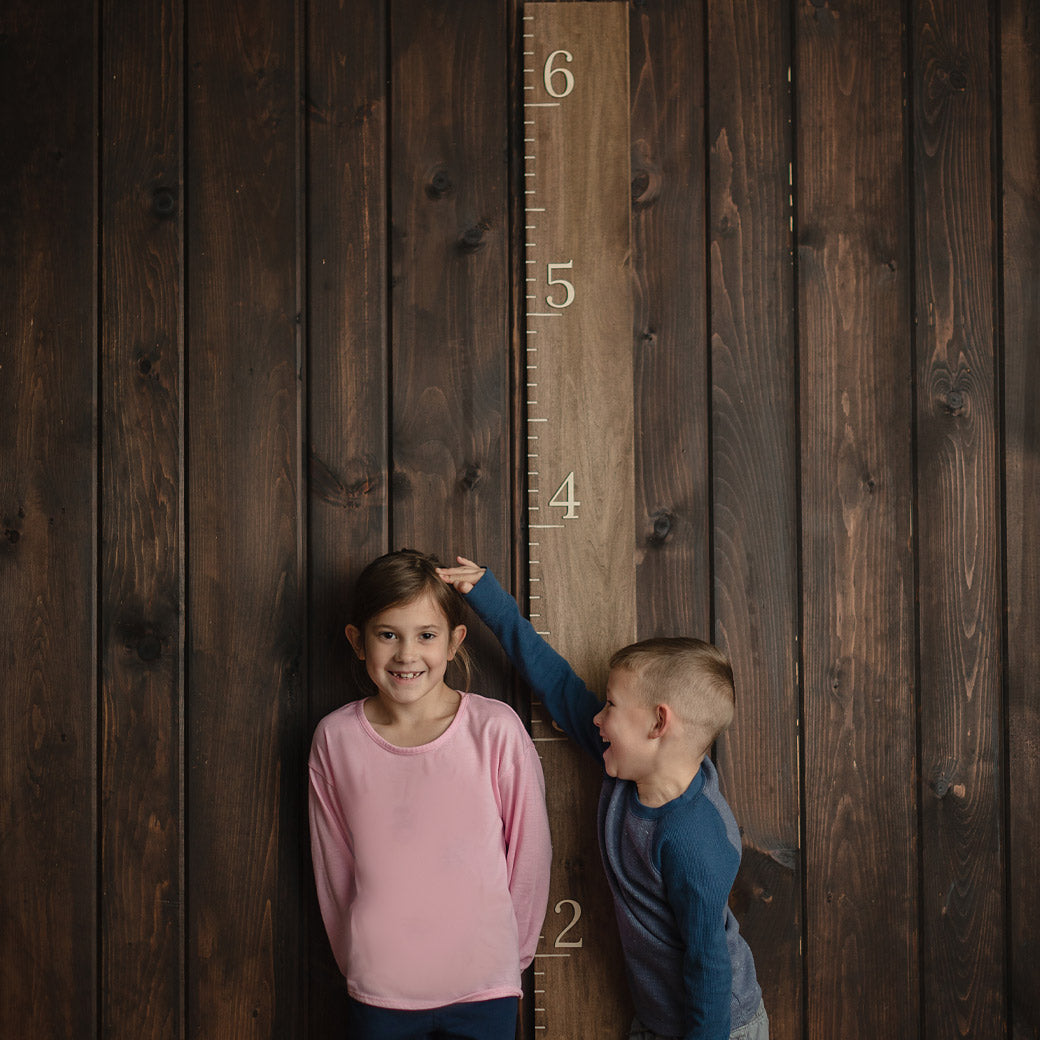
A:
{"x":578,"y":332}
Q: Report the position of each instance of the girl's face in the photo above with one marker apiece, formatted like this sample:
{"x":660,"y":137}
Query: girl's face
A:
{"x":406,"y":650}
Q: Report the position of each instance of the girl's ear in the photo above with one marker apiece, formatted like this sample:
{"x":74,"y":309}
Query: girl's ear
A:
{"x":458,"y":634}
{"x":356,"y":641}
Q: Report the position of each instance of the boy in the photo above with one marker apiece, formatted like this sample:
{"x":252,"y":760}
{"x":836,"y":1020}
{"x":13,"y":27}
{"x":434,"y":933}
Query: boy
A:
{"x":669,"y":842}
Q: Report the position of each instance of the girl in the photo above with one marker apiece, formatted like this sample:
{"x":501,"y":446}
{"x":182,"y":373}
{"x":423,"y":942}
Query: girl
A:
{"x":429,"y":834}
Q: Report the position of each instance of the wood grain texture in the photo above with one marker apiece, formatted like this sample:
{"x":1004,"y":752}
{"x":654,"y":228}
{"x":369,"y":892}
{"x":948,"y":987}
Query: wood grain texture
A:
{"x":1020,"y":161}
{"x":755,"y":479}
{"x":246,"y":721}
{"x":348,"y":375}
{"x":48,"y":502}
{"x":858,"y":576}
{"x":580,"y":448}
{"x":670,"y":332}
{"x":450,"y":325}
{"x":962,"y":937}
{"x":209,"y":381}
{"x":142,"y":501}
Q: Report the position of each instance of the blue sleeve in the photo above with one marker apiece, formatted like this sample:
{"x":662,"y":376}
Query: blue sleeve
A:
{"x":697,"y":878}
{"x":552,"y":680}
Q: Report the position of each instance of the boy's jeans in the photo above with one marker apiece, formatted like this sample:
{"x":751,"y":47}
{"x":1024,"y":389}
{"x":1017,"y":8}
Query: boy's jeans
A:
{"x":756,"y":1029}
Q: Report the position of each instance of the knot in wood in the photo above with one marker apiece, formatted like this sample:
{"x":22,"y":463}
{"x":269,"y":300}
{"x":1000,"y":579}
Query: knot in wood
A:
{"x":663,"y":520}
{"x":472,"y":238}
{"x":164,"y":203}
{"x":646,"y":186}
{"x":471,"y":477}
{"x":439,"y":184}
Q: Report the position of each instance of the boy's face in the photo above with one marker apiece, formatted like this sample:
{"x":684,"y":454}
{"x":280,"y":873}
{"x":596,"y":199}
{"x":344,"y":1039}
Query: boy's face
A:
{"x":626,"y":723}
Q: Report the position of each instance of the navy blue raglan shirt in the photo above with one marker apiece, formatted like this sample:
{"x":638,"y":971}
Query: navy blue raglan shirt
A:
{"x":670,"y":868}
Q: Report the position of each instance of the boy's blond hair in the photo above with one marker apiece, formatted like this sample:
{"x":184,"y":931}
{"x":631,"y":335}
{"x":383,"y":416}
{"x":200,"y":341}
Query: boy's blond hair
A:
{"x":692,"y":677}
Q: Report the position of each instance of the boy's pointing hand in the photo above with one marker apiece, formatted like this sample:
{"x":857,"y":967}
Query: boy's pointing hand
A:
{"x":463,"y":577}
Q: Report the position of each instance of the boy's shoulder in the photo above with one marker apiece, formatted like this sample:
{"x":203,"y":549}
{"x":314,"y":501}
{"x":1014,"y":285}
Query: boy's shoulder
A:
{"x":699,"y":836}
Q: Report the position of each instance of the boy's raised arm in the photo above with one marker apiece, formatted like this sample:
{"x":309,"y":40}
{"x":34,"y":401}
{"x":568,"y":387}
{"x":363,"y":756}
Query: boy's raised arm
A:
{"x":552,"y":680}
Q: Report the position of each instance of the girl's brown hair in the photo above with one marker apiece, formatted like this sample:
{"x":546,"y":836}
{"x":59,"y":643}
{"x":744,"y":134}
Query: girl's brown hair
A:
{"x":400,"y":577}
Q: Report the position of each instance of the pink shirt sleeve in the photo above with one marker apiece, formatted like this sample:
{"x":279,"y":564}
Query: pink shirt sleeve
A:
{"x":528,"y":844}
{"x":333,"y":859}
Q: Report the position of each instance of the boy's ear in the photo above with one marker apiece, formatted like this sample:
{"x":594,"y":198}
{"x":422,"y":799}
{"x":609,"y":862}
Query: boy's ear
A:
{"x":356,"y":641}
{"x":458,"y":634}
{"x":664,"y":720}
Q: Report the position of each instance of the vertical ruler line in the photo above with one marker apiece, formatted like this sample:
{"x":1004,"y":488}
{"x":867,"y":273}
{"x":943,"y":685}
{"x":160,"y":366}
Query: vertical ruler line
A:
{"x":580,"y":428}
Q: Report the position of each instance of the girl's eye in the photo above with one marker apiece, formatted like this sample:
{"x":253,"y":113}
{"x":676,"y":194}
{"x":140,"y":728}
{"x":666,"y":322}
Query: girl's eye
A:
{"x":428,"y":636}
{"x":384,"y":635}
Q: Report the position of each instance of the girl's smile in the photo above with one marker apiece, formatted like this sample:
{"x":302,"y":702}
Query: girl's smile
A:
{"x":406,"y":649}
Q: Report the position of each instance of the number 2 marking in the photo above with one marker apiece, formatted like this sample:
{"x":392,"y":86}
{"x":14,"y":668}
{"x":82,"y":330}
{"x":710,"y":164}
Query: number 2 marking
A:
{"x":576,"y":911}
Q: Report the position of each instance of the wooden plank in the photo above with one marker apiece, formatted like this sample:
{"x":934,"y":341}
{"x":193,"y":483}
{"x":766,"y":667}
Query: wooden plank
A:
{"x":580,"y":417}
{"x":755,"y":480}
{"x":450,"y":277}
{"x":1020,"y":158}
{"x":670,"y":332}
{"x":142,"y":609}
{"x":858,"y":595}
{"x":348,"y":373}
{"x":246,"y":730}
{"x":48,"y":501}
{"x":962,"y":935}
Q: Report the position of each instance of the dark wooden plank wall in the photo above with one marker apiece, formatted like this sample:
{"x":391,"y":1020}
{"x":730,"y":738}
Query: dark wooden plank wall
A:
{"x":855,"y":332}
{"x":1018,"y":160}
{"x":141,"y":611}
{"x":258,"y":321}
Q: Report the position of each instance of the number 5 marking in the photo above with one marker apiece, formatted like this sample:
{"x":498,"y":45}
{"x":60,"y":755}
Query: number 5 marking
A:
{"x":568,"y":288}
{"x":564,"y":498}
{"x":575,"y":906}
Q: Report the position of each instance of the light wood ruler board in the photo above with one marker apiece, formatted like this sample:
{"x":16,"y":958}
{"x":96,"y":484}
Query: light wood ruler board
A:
{"x":579,"y":429}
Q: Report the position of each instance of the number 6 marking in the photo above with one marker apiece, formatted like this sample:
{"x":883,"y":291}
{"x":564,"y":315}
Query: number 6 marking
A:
{"x":548,"y":72}
{"x":576,"y":909}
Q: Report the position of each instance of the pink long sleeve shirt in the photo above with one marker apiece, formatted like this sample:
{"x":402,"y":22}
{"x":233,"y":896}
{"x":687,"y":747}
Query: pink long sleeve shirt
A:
{"x":432,"y":862}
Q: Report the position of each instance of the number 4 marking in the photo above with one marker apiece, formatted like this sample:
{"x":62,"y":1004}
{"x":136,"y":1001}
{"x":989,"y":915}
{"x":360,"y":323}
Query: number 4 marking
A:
{"x":564,"y":498}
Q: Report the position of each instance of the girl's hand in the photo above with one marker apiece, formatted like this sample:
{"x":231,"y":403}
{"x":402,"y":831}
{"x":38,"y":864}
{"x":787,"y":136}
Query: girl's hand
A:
{"x":463,"y":577}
